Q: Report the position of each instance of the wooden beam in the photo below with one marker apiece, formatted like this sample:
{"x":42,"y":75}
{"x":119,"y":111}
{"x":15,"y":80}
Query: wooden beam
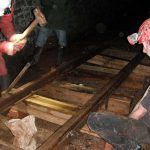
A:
{"x":107,"y":62}
{"x":99,"y":69}
{"x":101,"y":80}
{"x":76,"y":87}
{"x":50,"y":103}
{"x":47,"y":116}
{"x":65,"y":95}
{"x":58,"y":118}
{"x":116,"y":63}
{"x":119,"y":105}
{"x":124,"y":55}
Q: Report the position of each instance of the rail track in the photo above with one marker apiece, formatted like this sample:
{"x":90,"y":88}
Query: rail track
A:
{"x":100,"y":79}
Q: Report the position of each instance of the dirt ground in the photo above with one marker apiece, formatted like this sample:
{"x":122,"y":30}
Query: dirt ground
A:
{"x":80,"y":141}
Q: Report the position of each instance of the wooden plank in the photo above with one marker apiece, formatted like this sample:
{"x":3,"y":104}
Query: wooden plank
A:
{"x":44,"y":130}
{"x":142,"y":70}
{"x":93,"y":82}
{"x":123,"y":54}
{"x":43,"y":118}
{"x":98,"y":69}
{"x":46,"y":116}
{"x":51,"y":103}
{"x":6,"y":146}
{"x":107,"y":62}
{"x":125,"y":92}
{"x":132,"y":83}
{"x":6,"y":137}
{"x":92,"y":104}
{"x":137,"y":77}
{"x":118,"y":104}
{"x":113,"y":63}
{"x":65,"y":95}
{"x":52,"y":116}
{"x":51,"y":112}
{"x":75,"y":87}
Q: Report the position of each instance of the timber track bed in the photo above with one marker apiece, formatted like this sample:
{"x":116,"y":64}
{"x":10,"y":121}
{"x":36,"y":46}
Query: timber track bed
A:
{"x":98,"y":80}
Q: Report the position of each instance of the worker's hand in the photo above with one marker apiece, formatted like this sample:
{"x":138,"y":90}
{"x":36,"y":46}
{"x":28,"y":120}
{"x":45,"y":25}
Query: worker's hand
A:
{"x":17,"y":46}
{"x":16,"y":38}
{"x":10,"y":48}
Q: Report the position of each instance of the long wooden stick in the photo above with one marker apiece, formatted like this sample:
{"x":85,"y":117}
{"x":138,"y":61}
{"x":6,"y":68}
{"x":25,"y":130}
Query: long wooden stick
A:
{"x":30,"y":28}
{"x":19,"y":76}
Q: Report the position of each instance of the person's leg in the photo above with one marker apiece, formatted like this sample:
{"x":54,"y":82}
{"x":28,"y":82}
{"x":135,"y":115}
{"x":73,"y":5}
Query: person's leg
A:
{"x":5,"y":81}
{"x":43,"y":35}
{"x":62,"y":41}
{"x":3,"y":74}
{"x":7,"y":28}
{"x":121,"y":132}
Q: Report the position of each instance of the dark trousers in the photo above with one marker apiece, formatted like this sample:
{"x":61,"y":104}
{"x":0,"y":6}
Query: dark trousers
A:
{"x":122,"y":132}
{"x":4,"y":82}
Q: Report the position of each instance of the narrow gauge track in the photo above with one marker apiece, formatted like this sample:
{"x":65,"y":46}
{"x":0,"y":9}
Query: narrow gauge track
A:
{"x":62,"y":99}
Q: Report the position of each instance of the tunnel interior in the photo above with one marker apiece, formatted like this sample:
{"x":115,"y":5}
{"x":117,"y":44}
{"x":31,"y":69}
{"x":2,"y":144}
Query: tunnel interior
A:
{"x":101,"y":71}
{"x":80,"y":19}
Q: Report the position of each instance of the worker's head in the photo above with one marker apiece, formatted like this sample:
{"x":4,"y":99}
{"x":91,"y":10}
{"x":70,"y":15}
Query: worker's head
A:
{"x":4,"y":6}
{"x":142,"y":37}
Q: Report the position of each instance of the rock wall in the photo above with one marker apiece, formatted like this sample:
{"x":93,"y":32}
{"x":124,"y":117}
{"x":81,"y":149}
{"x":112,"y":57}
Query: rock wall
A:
{"x":81,"y":15}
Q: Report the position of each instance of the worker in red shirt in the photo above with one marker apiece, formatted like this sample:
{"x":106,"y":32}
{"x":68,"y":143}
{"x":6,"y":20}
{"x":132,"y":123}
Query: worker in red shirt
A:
{"x":13,"y":43}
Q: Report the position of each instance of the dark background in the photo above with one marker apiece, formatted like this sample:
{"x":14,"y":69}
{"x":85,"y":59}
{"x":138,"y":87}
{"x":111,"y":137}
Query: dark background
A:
{"x":83,"y":18}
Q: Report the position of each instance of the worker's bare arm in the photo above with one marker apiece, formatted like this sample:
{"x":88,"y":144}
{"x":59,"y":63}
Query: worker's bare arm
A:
{"x":138,"y":113}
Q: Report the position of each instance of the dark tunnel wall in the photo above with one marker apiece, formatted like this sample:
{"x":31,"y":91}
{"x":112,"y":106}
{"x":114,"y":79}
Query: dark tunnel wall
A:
{"x":79,"y":17}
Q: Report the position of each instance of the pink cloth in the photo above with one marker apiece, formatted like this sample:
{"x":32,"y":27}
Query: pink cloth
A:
{"x":7,"y":28}
{"x":144,"y":31}
{"x":142,"y":37}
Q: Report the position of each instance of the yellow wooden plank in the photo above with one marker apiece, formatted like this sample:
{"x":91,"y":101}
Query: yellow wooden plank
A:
{"x":51,"y":103}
